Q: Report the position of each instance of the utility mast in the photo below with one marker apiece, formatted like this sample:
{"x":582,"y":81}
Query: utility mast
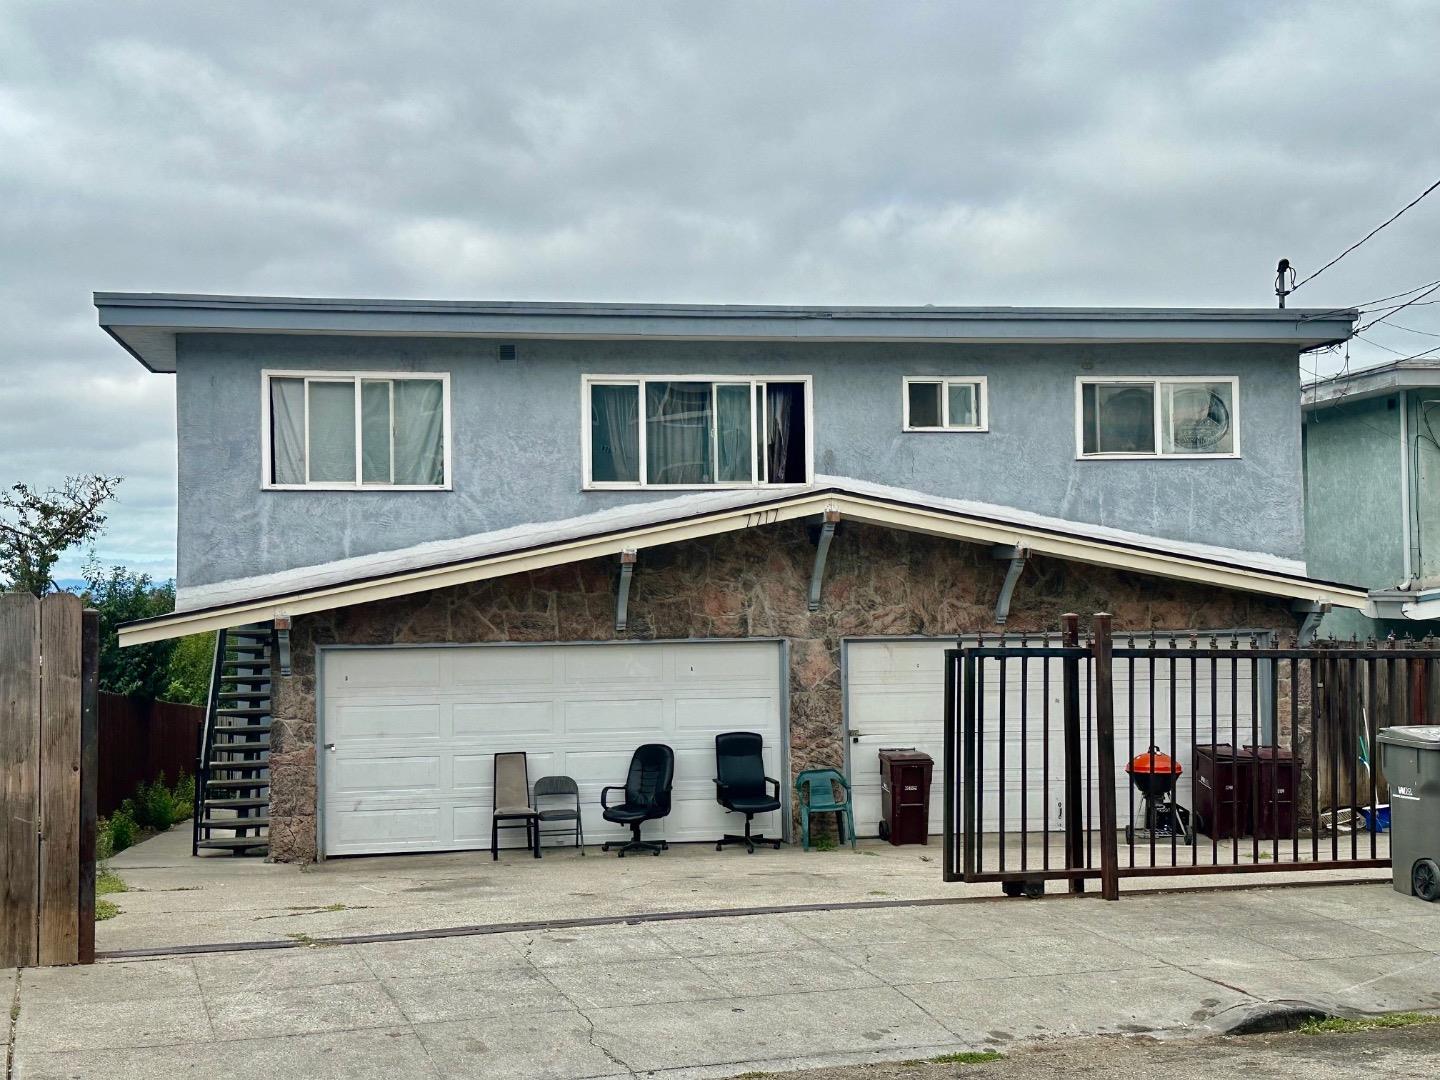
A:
{"x":1284,"y":276}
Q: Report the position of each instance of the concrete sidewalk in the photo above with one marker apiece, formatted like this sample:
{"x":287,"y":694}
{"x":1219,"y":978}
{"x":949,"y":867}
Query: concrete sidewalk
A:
{"x":722,"y":996}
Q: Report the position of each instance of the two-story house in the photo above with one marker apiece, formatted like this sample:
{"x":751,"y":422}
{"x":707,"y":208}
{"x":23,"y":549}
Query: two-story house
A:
{"x":1372,"y":473}
{"x":573,"y":528}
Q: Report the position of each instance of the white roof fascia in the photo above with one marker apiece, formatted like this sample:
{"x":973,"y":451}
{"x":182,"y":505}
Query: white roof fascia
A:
{"x":441,"y":564}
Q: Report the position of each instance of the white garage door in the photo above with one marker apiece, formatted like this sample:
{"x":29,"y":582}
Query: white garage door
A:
{"x":410,"y":734}
{"x":895,"y":697}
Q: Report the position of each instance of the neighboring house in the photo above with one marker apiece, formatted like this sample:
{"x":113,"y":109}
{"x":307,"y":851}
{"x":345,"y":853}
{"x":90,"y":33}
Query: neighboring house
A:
{"x":1372,"y":494}
{"x":659,"y":522}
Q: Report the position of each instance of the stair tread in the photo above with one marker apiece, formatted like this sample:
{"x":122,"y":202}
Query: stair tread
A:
{"x":242,"y":729}
{"x":232,"y":842}
{"x":243,"y":711}
{"x":234,"y":823}
{"x":235,"y":804}
{"x":239,"y":766}
{"x":240,"y":746}
{"x":241,"y":785}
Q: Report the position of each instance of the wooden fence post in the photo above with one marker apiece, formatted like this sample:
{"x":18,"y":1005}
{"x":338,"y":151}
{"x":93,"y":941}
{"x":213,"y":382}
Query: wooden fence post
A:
{"x":19,"y":784}
{"x":1105,"y":758}
{"x":89,"y":777}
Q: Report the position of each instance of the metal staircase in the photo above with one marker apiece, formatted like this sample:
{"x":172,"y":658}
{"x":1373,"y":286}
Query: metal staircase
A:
{"x":232,"y":782}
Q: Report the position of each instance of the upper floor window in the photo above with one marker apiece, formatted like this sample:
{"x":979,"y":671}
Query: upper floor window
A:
{"x":344,"y":430}
{"x":953,"y":404}
{"x":695,"y":431}
{"x":1141,"y":417}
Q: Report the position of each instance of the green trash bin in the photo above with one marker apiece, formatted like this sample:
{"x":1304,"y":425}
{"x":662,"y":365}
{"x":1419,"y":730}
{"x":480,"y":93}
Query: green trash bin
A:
{"x":1410,"y":757}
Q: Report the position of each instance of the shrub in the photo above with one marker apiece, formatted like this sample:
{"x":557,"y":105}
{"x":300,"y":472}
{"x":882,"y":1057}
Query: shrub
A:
{"x":155,"y":805}
{"x":121,"y":828}
{"x":103,"y":847}
{"x":184,"y":797}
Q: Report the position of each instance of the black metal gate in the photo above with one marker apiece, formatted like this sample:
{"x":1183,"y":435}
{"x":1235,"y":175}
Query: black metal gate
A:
{"x":1132,"y":756}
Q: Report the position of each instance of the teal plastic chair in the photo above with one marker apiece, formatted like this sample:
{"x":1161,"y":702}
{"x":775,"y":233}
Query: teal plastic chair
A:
{"x":815,"y":792}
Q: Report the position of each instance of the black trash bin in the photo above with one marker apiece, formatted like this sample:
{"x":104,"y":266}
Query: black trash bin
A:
{"x":1277,"y":786}
{"x":1222,"y":790}
{"x":905,"y":796}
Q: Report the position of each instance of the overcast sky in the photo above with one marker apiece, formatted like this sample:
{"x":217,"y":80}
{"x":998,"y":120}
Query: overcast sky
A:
{"x":951,"y":153}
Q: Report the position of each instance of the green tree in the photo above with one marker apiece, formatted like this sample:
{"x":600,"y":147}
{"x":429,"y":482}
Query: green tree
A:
{"x":37,"y":527}
{"x":122,"y":596}
{"x":190,"y":669}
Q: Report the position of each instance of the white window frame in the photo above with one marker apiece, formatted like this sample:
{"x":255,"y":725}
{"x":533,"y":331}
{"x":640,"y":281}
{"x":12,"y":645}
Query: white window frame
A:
{"x":356,"y":378}
{"x":1157,"y":382}
{"x":639,"y":381}
{"x":982,"y":404}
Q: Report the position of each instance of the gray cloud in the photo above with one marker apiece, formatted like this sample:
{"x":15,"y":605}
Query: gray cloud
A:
{"x":1025,"y":153}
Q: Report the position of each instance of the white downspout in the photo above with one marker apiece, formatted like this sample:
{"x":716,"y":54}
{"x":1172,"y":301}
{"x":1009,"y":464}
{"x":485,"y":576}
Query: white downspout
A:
{"x":1405,"y":485}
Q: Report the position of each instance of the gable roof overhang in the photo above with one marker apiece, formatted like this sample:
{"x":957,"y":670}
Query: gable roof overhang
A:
{"x":438,"y":565}
{"x":1379,"y":381}
{"x":146,"y":324}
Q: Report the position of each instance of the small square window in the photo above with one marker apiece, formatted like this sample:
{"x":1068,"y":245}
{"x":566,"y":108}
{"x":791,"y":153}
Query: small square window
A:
{"x":956,"y":404}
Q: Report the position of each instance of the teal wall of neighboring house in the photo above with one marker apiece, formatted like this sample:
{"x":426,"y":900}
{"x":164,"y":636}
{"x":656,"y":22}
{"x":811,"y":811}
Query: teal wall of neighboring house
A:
{"x":517,"y":439}
{"x":1355,"y":505}
{"x":1424,"y":417}
{"x":1353,"y":521}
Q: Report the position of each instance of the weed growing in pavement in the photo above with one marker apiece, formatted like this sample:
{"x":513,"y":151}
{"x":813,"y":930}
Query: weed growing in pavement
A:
{"x":1368,"y":1023}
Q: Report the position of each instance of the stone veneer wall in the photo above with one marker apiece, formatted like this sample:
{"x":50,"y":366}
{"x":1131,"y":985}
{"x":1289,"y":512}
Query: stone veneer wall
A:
{"x":752,"y":583}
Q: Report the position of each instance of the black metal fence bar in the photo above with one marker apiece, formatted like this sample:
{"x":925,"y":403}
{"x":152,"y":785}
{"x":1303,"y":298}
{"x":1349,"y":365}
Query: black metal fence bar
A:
{"x":1271,"y":750}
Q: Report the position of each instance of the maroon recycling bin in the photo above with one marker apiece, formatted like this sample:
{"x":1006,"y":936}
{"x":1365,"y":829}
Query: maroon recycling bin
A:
{"x":1221,"y":782}
{"x":905,"y":796}
{"x":1277,"y":786}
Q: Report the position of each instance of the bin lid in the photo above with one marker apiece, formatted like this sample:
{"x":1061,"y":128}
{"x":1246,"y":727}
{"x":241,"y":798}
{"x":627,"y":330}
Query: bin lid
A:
{"x":906,"y":754}
{"x":1220,"y":751}
{"x":1425,"y":737}
{"x":1277,"y":754}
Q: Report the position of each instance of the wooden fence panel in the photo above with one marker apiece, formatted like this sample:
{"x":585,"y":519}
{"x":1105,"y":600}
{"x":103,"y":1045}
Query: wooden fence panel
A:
{"x":141,"y":739}
{"x":60,"y":635}
{"x":19,"y":782}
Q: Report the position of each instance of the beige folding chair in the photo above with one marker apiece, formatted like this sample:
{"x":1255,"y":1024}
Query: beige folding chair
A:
{"x":513,"y":808}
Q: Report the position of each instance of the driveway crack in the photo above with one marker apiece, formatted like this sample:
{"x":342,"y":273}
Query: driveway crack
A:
{"x":589,"y":1023}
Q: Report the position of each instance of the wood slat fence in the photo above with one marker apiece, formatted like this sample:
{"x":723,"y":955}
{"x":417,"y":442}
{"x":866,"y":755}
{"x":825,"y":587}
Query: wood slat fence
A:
{"x":141,"y":740}
{"x":49,"y":716}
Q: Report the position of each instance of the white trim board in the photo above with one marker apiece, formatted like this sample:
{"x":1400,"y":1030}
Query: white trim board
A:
{"x":442,"y":564}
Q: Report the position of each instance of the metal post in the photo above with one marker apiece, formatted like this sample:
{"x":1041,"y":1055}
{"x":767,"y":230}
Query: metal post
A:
{"x":1105,"y":758}
{"x":1074,"y":757}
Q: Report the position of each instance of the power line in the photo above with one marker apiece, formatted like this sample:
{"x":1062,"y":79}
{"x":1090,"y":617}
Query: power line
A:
{"x":1396,"y":310}
{"x":1393,"y":217}
{"x":1367,"y":304}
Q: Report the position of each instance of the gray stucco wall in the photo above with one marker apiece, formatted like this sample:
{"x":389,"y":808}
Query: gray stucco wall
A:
{"x":517,"y":440}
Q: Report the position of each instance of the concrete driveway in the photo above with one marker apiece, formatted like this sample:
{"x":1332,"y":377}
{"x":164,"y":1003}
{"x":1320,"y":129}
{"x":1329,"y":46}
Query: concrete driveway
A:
{"x":180,"y":900}
{"x":726,"y":995}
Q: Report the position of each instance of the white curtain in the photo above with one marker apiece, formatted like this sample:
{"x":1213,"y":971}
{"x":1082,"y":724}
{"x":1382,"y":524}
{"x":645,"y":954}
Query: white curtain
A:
{"x":375,"y":431}
{"x":678,"y":431}
{"x":615,"y":433}
{"x":419,"y":431}
{"x":732,"y":423}
{"x":287,"y":431}
{"x":332,"y":432}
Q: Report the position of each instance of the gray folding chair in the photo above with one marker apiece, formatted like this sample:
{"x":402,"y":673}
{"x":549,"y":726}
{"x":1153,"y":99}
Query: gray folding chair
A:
{"x":513,"y":809}
{"x":564,"y":797}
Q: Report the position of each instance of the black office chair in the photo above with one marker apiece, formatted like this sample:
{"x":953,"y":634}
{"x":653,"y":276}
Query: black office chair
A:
{"x":647,"y":797}
{"x":740,"y":784}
